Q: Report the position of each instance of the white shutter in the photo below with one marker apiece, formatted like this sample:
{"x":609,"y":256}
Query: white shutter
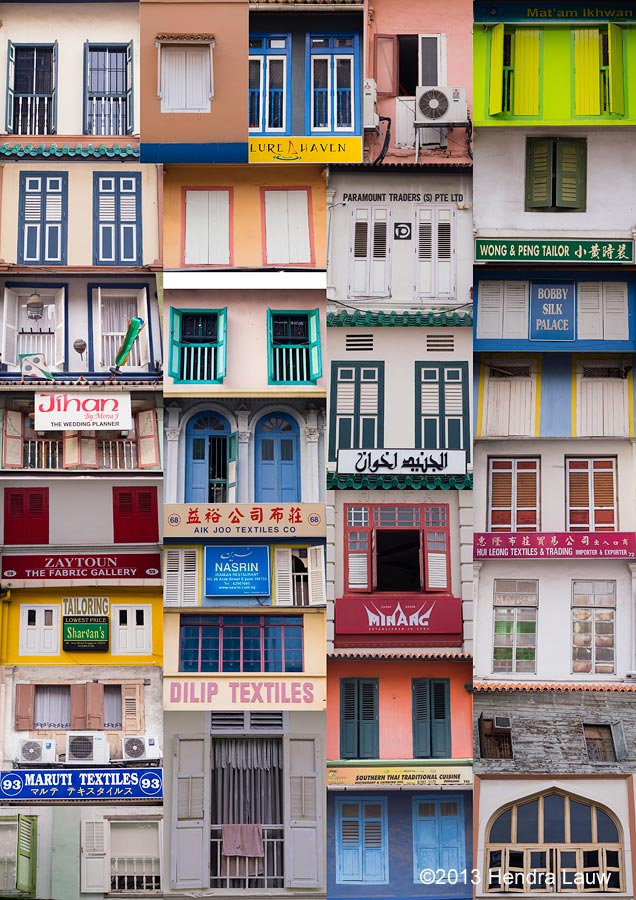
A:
{"x":615,"y":416}
{"x":131,"y":638}
{"x":317,"y":585}
{"x":190,"y":863}
{"x":284,"y":593}
{"x":95,"y":862}
{"x":287,"y":227}
{"x":436,"y":572}
{"x":615,"y":324}
{"x":143,"y":339}
{"x":521,"y":409}
{"x":515,"y":310}
{"x":490,"y":306}
{"x":445,"y":252}
{"x":147,"y":438}
{"x":380,"y":253}
{"x":359,"y":254}
{"x":303,"y":813}
{"x":197,"y":77}
{"x":60,"y":330}
{"x":173,"y":78}
{"x":424,"y":252}
{"x":358,"y":570}
{"x":590,"y":311}
{"x":276,"y":246}
{"x":13,"y":439}
{"x":298,"y":227}
{"x":98,"y":353}
{"x":41,"y":638}
{"x":207,"y":229}
{"x":181,"y":576}
{"x":10,"y":328}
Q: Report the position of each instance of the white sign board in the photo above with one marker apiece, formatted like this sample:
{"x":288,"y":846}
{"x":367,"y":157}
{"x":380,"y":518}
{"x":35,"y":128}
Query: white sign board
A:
{"x":402,"y":462}
{"x":75,"y":411}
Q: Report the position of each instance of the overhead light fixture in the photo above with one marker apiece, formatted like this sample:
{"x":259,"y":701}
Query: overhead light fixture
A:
{"x":35,"y":306}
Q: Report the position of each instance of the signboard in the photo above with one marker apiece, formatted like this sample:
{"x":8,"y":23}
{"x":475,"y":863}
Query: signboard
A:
{"x":552,"y":312}
{"x":556,"y":545}
{"x":77,"y":411}
{"x":240,"y":692}
{"x":598,"y":250}
{"x":402,"y":462}
{"x":85,"y":623}
{"x":236,"y":571}
{"x":83,"y":567}
{"x":420,"y":616}
{"x":305,"y":149}
{"x":244,"y":519}
{"x":82,"y":784}
{"x":557,"y":14}
{"x":399,"y":776}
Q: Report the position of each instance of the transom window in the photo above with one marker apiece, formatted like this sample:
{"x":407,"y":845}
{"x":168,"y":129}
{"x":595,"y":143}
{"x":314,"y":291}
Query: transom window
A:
{"x":241,"y":644}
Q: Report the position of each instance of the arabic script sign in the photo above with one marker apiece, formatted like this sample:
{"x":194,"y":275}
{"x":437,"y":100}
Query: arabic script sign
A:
{"x":402,"y":462}
{"x":82,"y":784}
{"x":542,"y":250}
{"x":244,"y":519}
{"x":436,"y":615}
{"x":556,"y":545}
{"x":236,"y":571}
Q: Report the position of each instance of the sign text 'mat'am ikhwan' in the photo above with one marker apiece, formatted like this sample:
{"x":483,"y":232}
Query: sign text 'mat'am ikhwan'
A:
{"x":548,"y":250}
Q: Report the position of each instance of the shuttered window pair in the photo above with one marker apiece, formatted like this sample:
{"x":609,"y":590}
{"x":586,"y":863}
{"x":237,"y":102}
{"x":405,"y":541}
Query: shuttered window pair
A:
{"x":357,"y":407}
{"x":26,"y":516}
{"x":591,"y":494}
{"x":513,"y":495}
{"x":80,"y":706}
{"x":18,"y":853}
{"x":269,"y":84}
{"x":441,"y":406}
{"x":556,"y":174}
{"x":510,"y":398}
{"x":438,"y":836}
{"x":514,"y":71}
{"x":208,"y":227}
{"x":198,"y":346}
{"x":135,"y":515}
{"x":599,"y":78}
{"x":186,"y":83}
{"x":362,"y":841}
{"x":40,"y":629}
{"x":294,"y":354}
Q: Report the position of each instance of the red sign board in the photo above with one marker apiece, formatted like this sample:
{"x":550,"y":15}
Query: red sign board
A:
{"x":86,"y":566}
{"x":556,"y":545}
{"x":421,"y":621}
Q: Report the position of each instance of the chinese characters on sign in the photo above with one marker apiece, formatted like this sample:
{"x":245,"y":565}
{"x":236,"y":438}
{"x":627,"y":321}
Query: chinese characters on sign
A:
{"x":82,"y":784}
{"x":402,"y":462}
{"x":547,"y":545}
{"x":240,"y":519}
{"x":548,"y":250}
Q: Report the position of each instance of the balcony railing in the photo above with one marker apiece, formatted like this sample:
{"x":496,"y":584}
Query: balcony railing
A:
{"x":290,"y":363}
{"x":38,"y":342}
{"x":106,"y":114}
{"x":110,"y":347}
{"x":33,"y":113}
{"x":134,"y":874}
{"x":248,"y":872}
{"x":48,"y":453}
{"x":198,"y":362}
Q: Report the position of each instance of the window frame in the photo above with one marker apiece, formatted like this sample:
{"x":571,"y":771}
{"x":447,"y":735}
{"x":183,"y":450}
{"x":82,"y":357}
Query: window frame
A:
{"x":286,"y":263}
{"x":95,"y":856}
{"x":115,"y":644}
{"x":594,"y":610}
{"x":314,"y":350}
{"x":10,"y":89}
{"x":555,"y":168}
{"x":442,"y":847}
{"x":362,"y":802}
{"x":174,"y":42}
{"x":514,"y":607}
{"x":332,"y":54}
{"x":127,"y":94}
{"x":263,"y":55}
{"x":55,"y":630}
{"x":177,"y":345}
{"x":43,"y":224}
{"x":515,"y":509}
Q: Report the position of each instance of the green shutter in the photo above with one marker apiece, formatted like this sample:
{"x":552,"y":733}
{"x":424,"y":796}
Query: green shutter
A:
{"x":26,"y":864}
{"x":221,"y":353}
{"x":570,"y":174}
{"x":587,"y":72}
{"x":315,"y":355}
{"x":495,"y":102}
{"x":348,"y":718}
{"x":421,"y":719}
{"x":368,"y":706}
{"x":270,"y":348}
{"x":525,"y":85}
{"x":440,"y":719}
{"x":175,"y":349}
{"x":616,"y":74}
{"x":538,"y":174}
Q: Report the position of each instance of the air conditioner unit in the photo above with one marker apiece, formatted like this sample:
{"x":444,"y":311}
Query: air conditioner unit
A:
{"x":141,"y":748}
{"x":370,"y":115}
{"x":502,"y":725}
{"x":440,"y":105}
{"x":87,"y":748}
{"x":37,"y":752}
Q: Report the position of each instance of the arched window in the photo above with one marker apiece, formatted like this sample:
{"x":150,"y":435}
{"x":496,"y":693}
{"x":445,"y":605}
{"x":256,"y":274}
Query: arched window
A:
{"x":554,"y":842}
{"x":277,"y":460}
{"x":211,"y":454}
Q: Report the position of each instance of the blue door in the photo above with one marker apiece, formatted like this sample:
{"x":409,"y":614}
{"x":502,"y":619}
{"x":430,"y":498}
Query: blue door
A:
{"x":207,"y":459}
{"x":277,"y":460}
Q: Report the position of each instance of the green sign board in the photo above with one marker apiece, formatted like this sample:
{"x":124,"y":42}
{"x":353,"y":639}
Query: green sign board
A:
{"x":543,"y":250}
{"x":557,"y":13}
{"x":85,"y":632}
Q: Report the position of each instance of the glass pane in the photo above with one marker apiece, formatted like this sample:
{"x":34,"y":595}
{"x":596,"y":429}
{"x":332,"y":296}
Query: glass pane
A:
{"x":528,"y":823}
{"x":500,"y":833}
{"x":607,"y":833}
{"x":580,"y":823}
{"x":553,"y":819}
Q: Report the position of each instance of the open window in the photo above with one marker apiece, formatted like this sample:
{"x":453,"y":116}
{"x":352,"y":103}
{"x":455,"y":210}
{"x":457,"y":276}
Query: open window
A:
{"x":599,"y":77}
{"x":112,"y":311}
{"x":31,"y":106}
{"x":293,"y":350}
{"x":108,"y":88}
{"x":121,"y":856}
{"x":18,"y":854}
{"x":514,"y":71}
{"x":300,"y":576}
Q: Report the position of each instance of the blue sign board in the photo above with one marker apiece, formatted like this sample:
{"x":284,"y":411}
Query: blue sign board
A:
{"x":552,"y":311}
{"x":237,"y":571}
{"x":82,"y":784}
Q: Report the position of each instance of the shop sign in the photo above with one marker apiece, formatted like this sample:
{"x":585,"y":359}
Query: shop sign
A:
{"x":85,"y":623}
{"x":79,"y":785}
{"x":435,"y":615}
{"x":552,"y":312}
{"x":255,"y":692}
{"x":556,"y":545}
{"x":402,"y":462}
{"x":236,"y":571}
{"x":571,"y":250}
{"x":370,"y":777}
{"x":559,"y":13}
{"x":305,"y":149}
{"x":83,"y":567}
{"x":76,"y":411}
{"x":244,"y":520}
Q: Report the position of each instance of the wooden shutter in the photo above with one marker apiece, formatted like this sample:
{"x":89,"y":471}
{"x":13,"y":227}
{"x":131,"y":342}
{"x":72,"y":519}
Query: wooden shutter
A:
{"x":24,"y":707}
{"x":143,"y":339}
{"x":147,"y":438}
{"x":317,"y":585}
{"x":430,"y":407}
{"x":515,"y":310}
{"x":539,"y":173}
{"x":424,"y":251}
{"x":60,"y":330}
{"x":181,"y":576}
{"x":27,"y":857}
{"x":135,"y":515}
{"x":421,"y":718}
{"x":368,"y":718}
{"x":132,"y":708}
{"x":198,"y":75}
{"x":284,"y":589}
{"x":130,"y":118}
{"x":570,"y":174}
{"x":445,"y":252}
{"x":10,"y":328}
{"x":315,"y":353}
{"x":94,"y":705}
{"x":13,"y":439}
{"x":349,"y":714}
{"x":95,"y":861}
{"x":525,"y":83}
{"x":616,"y":71}
{"x":26,"y":515}
{"x":129,"y":219}
{"x":440,"y":718}
{"x":431,"y":718}
{"x":79,"y":707}
{"x":43,"y":218}
{"x":349,"y":840}
{"x":604,"y":494}
{"x":437,"y":558}
{"x":578,"y":476}
{"x":190,"y":812}
{"x":173,"y":78}
{"x":174,"y":357}
{"x":615,"y":311}
{"x":207,"y":228}
{"x":79,"y":449}
{"x":618,"y":737}
{"x":526,"y":514}
{"x":379,"y":263}
{"x":590,"y":311}
{"x":495,"y":94}
{"x":587,"y":81}
{"x":221,"y":351}
{"x":358,"y":567}
{"x":374,"y":840}
{"x":359,"y":259}
{"x":490,"y":300}
{"x":232,"y":467}
{"x":386,"y":64}
{"x":304,"y":867}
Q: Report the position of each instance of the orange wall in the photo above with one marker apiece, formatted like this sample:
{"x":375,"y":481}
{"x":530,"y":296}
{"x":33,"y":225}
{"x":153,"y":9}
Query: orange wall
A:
{"x":246,"y":182}
{"x":396,"y":736}
{"x":228,"y":22}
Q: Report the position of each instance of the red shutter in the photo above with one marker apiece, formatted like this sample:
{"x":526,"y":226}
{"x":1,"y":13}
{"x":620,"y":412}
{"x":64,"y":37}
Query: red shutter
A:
{"x":135,"y":515}
{"x":26,"y":515}
{"x":79,"y":707}
{"x":24,"y":707}
{"x":436,"y":547}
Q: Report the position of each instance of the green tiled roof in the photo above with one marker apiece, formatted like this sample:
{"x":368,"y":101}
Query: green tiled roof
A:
{"x":426,"y":318}
{"x":398,"y":482}
{"x":47,"y":150}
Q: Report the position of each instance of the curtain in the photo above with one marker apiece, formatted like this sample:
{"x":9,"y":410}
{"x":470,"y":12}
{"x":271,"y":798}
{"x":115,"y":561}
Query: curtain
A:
{"x":52,"y":706}
{"x":112,"y":706}
{"x":247,"y":783}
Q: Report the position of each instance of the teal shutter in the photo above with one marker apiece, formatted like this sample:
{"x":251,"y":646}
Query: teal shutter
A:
{"x":270,"y":347}
{"x":349,"y":841}
{"x":368,"y":706}
{"x":539,"y":174}
{"x":315,"y":354}
{"x":421,"y":719}
{"x":221,"y":353}
{"x":570,"y":174}
{"x":26,"y":863}
{"x":362,"y":841}
{"x":174,"y":355}
{"x":232,"y":467}
{"x":10,"y":87}
{"x":348,"y":718}
{"x":87,"y":86}
{"x":359,"y":738}
{"x":54,"y":91}
{"x":431,"y":718}
{"x":130,"y":112}
{"x":438,"y":834}
{"x":374,"y":841}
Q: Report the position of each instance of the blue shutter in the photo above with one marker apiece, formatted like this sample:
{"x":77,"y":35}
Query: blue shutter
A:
{"x":349,"y":841}
{"x":425,"y":836}
{"x":174,"y":358}
{"x":315,"y":354}
{"x":130,"y":111}
{"x":451,"y":834}
{"x":10,"y":86}
{"x":438,"y":834}
{"x":117,"y":216}
{"x":374,"y":841}
{"x":87,"y":86}
{"x":362,"y":841}
{"x":43,"y":209}
{"x":54,"y":90}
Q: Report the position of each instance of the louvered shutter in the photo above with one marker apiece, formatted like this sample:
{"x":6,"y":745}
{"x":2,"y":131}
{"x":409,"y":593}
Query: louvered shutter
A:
{"x":616,"y":70}
{"x":349,"y":841}
{"x":190,"y":812}
{"x":359,"y":562}
{"x":437,"y":556}
{"x":379,"y":263}
{"x":27,"y":858}
{"x":424,"y":249}
{"x":370,"y":393}
{"x":232,"y":467}
{"x":174,"y":352}
{"x":570,"y":174}
{"x":117,"y":239}
{"x":526,"y":513}
{"x":525,"y":83}
{"x":539,"y":174}
{"x":445,"y":252}
{"x":284,"y":595}
{"x":615,"y":315}
{"x":303,"y":817}
{"x":590,"y":311}
{"x":130,"y":112}
{"x":26,"y":515}
{"x":10,"y":328}
{"x":132,"y":708}
{"x":43,"y":215}
{"x":181,"y":576}
{"x":490,"y":305}
{"x":95,"y":862}
{"x":129,"y":190}
{"x":135,"y":515}
{"x":515,"y":310}
{"x":13,"y":439}
{"x":368,"y":719}
{"x":343,"y":399}
{"x":430,"y":406}
{"x":315,"y":352}
{"x":440,"y":718}
{"x":373,"y":841}
{"x":207,"y":228}
{"x":105,"y":219}
{"x":421,"y":718}
{"x":349,"y":718}
{"x":317,"y":585}
{"x":578,"y":474}
{"x":24,"y":707}
{"x":587,"y":82}
{"x":359,"y":260}
{"x":173,"y":78}
{"x":495,"y":92}
{"x":604,"y":495}
{"x":147,"y":438}
{"x":456,"y":429}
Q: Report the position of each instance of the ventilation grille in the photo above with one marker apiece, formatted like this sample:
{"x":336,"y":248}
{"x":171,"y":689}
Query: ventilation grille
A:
{"x":135,"y":747}
{"x":603,"y":372}
{"x":80,"y":747}
{"x":510,"y":372}
{"x":440,"y":343}
{"x":356,"y":342}
{"x":31,"y":751}
{"x":227,"y":721}
{"x":247,"y":721}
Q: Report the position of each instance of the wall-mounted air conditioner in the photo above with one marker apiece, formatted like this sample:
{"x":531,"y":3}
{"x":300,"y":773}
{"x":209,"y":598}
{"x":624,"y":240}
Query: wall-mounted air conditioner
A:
{"x":87,"y":748}
{"x":36,"y":752}
{"x":141,"y":748}
{"x":440,"y":105}
{"x":370,"y":116}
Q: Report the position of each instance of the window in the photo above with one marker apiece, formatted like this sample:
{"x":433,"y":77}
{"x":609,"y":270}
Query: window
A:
{"x":186,"y":76}
{"x":180,"y":576}
{"x":359,"y":718}
{"x":556,"y":174}
{"x":513,"y":495}
{"x":602,"y":311}
{"x":370,"y":252}
{"x":120,"y":856}
{"x":602,"y":398}
{"x":404,"y":62}
{"x":438,"y":836}
{"x":269,"y":84}
{"x":293,"y":349}
{"x":198,"y":343}
{"x":26,"y":516}
{"x":18,"y":854}
{"x":605,"y":743}
{"x":287,"y":215}
{"x":117,"y":214}
{"x":357,"y":407}
{"x":556,"y":835}
{"x":300,"y":576}
{"x":39,"y":630}
{"x":132,"y":629}
{"x":135,"y":518}
{"x":441,"y":406}
{"x":208,"y":227}
{"x":31,"y":89}
{"x":431,"y":718}
{"x":113,"y":312}
{"x":502,"y":309}
{"x":397,"y":549}
{"x":80,"y":706}
{"x":362,"y":841}
{"x":510,"y":406}
{"x":42,"y":230}
{"x":211,"y":460}
{"x":241,"y":644}
{"x":495,"y":737}
{"x":515,"y":624}
{"x":591,"y":494}
{"x":23,"y":334}
{"x":514,"y":71}
{"x":593,"y":624}
{"x":52,"y":707}
{"x":108,"y":86}
{"x":333,"y":78}
{"x":598,"y":71}
{"x":435,"y":252}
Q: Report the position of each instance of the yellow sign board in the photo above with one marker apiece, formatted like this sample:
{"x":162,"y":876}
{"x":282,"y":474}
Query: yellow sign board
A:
{"x":258,"y":692}
{"x":244,"y":520}
{"x":399,"y":776}
{"x":308,"y":149}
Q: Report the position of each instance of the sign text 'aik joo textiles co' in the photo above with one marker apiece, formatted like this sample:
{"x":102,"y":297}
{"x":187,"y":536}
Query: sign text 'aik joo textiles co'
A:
{"x":244,"y":520}
{"x":236,"y":571}
{"x":75,"y":411}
